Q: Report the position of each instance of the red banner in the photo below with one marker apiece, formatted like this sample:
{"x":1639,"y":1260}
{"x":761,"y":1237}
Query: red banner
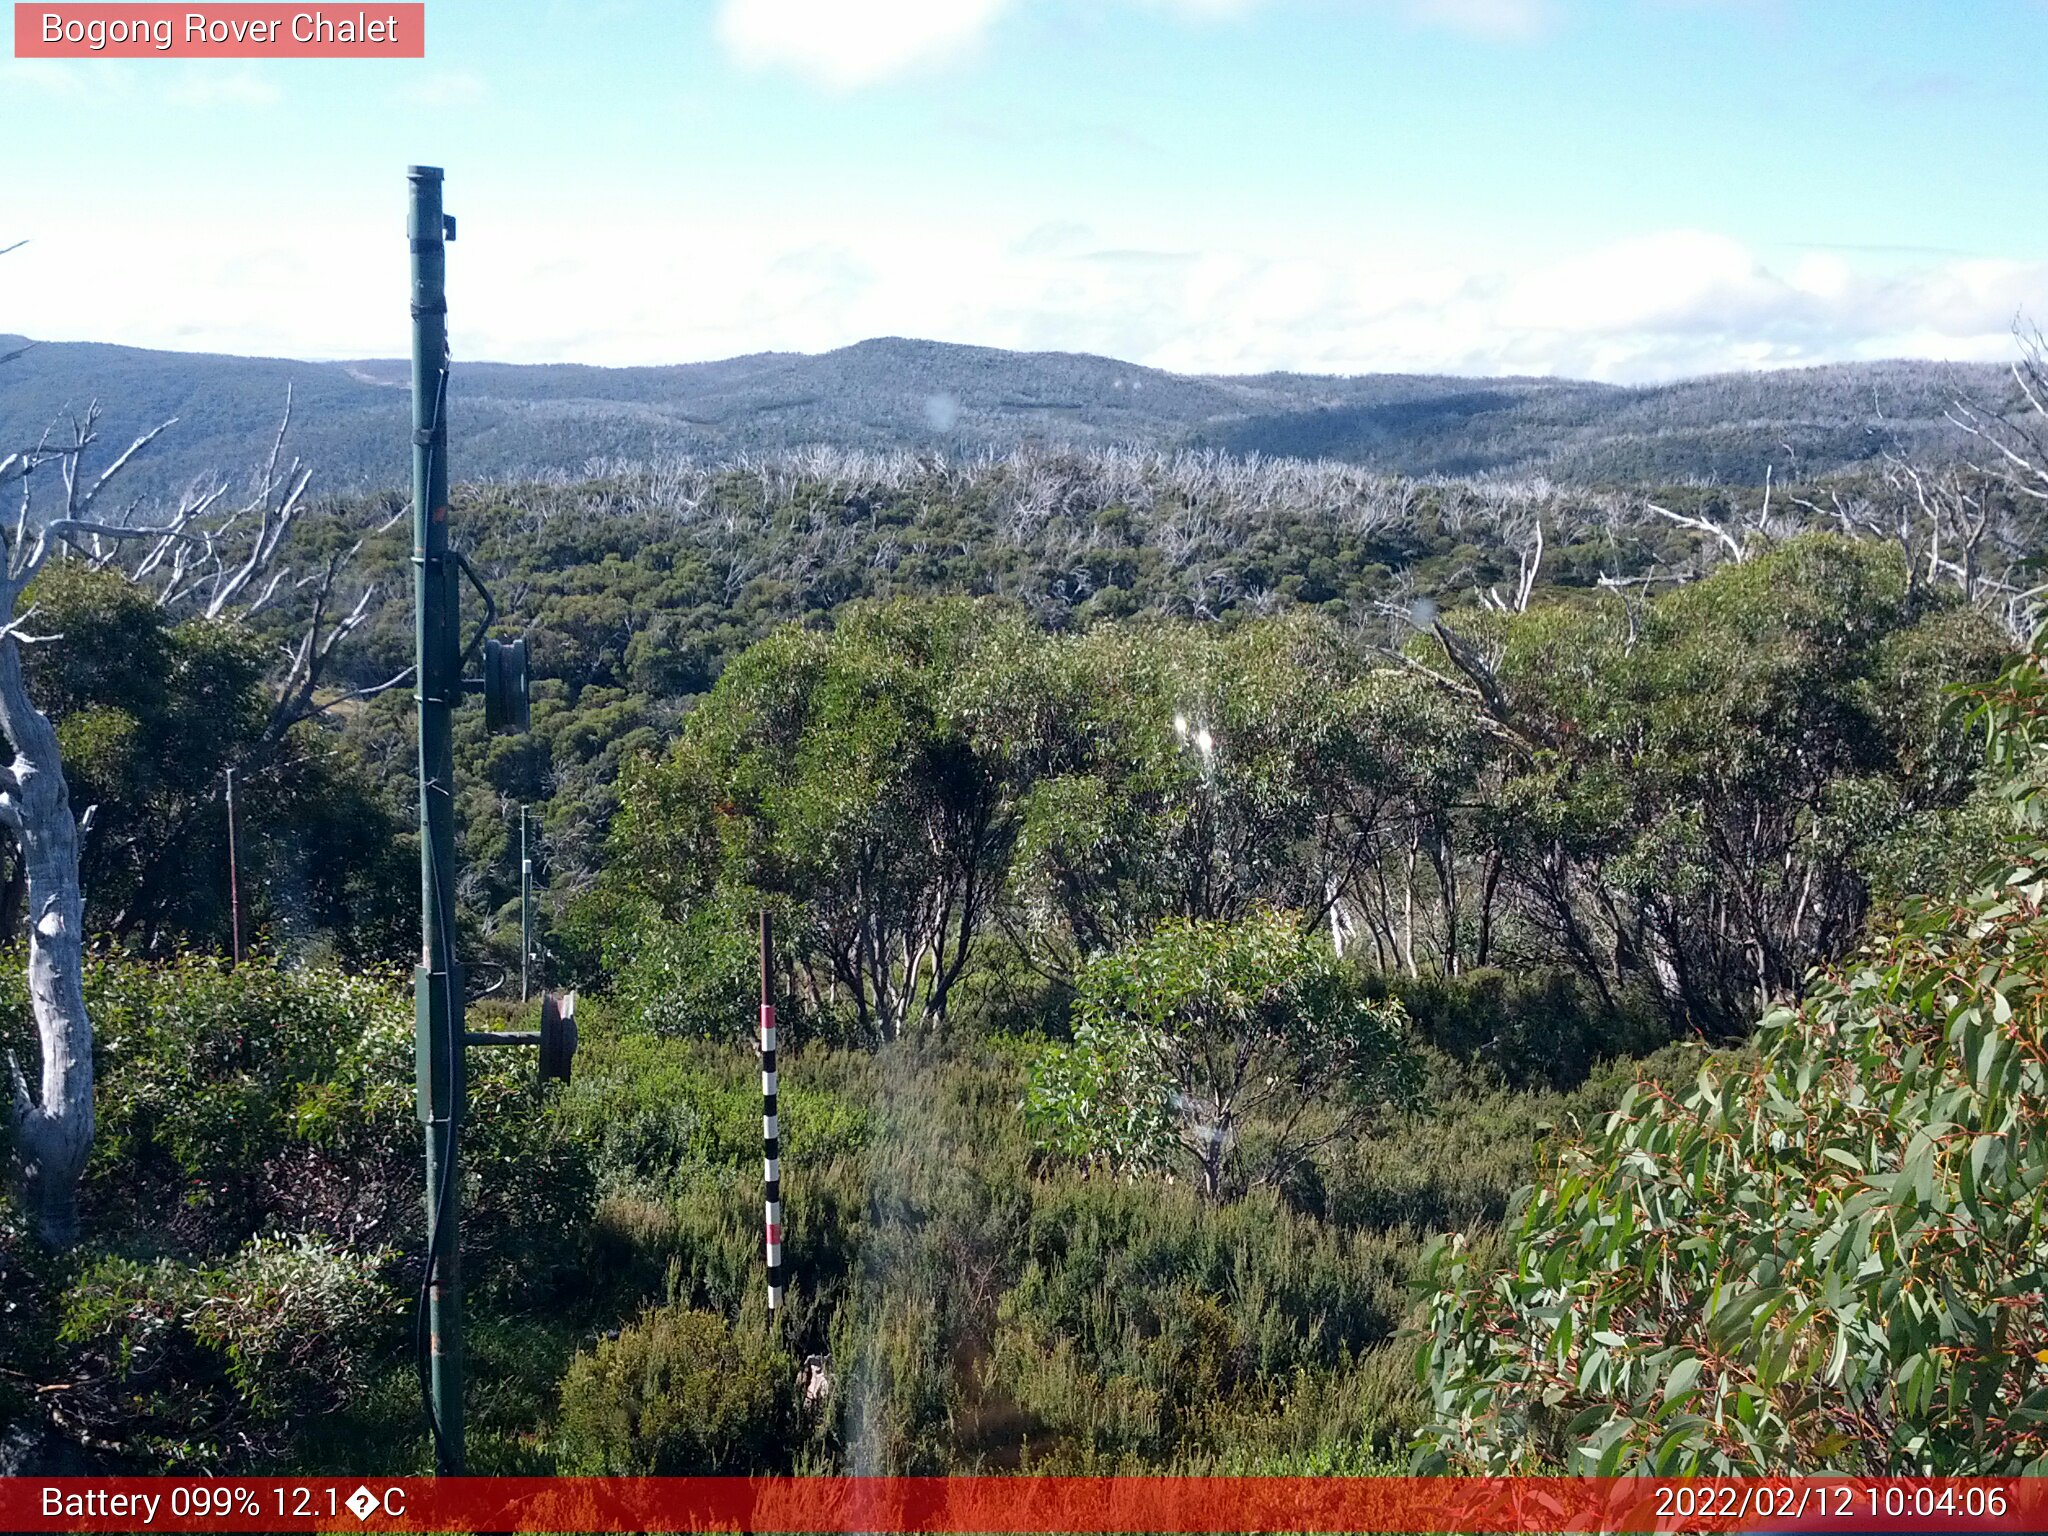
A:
{"x":1025,"y":1504}
{"x":235,"y":31}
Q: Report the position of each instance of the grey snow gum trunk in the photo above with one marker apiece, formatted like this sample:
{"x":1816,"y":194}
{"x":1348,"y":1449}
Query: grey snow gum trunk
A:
{"x":53,"y":1128}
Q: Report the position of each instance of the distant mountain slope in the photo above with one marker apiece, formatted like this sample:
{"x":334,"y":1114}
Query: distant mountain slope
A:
{"x":892,"y":393}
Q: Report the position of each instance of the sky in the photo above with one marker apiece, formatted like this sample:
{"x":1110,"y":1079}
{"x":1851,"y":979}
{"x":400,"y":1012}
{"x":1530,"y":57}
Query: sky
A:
{"x":1626,"y":190}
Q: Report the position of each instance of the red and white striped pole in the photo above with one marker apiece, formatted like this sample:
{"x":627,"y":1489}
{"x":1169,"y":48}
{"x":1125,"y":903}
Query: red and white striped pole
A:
{"x":771,"y":1130}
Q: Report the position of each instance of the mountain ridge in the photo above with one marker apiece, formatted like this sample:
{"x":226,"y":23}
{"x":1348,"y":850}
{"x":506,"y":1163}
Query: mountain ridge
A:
{"x":518,"y":419}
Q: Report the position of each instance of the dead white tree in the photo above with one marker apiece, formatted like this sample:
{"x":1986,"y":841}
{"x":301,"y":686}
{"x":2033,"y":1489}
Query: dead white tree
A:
{"x":207,"y":557}
{"x":53,"y":1121}
{"x":1738,"y":548}
{"x":1525,"y":536}
{"x":2015,"y":440}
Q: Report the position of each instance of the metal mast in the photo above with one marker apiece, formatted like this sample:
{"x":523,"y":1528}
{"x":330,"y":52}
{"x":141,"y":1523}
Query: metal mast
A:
{"x":440,"y":659}
{"x":525,"y":907}
{"x":771,"y":1125}
{"x":437,"y":659}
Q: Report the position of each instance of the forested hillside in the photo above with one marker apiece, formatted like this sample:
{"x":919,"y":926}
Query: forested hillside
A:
{"x":964,"y":401}
{"x":638,"y":589}
{"x":1446,"y":810}
{"x":1426,"y":926}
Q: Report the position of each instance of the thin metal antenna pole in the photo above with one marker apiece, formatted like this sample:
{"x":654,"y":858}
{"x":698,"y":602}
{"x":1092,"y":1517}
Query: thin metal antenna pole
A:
{"x":437,"y":984}
{"x":234,"y":882}
{"x":771,"y":1129}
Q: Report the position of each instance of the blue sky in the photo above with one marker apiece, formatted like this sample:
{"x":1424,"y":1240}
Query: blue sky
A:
{"x":1622,"y":189}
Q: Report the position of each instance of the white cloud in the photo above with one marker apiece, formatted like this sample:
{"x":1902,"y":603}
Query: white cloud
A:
{"x":847,"y":43}
{"x":852,"y":42}
{"x":1493,"y":19}
{"x":210,"y":85}
{"x":1655,"y":281}
{"x":445,"y":88}
{"x":1660,"y":306}
{"x":1055,"y":237}
{"x":69,"y":79}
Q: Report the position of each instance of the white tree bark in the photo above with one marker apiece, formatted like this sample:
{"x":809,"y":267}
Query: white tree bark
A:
{"x":53,"y":1125}
{"x":193,"y":558}
{"x":53,"y":1119}
{"x":213,"y":563}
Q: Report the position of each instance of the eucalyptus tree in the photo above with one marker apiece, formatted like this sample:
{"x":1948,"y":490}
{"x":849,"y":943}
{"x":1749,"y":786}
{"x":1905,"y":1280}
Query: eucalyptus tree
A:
{"x":1694,"y":789}
{"x":868,"y":781}
{"x":1824,"y":1256}
{"x":1423,"y":861}
{"x":1232,"y":1049}
{"x":152,"y":708}
{"x":211,"y":555}
{"x":1218,"y":771}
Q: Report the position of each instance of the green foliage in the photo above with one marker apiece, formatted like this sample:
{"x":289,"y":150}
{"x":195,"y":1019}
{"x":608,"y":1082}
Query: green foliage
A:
{"x":679,"y":1394}
{"x":255,"y":1195}
{"x":646,"y":1107}
{"x":1685,"y":803}
{"x":183,"y":1365}
{"x":865,"y":782}
{"x":1546,"y":1028}
{"x":1546,"y":840}
{"x":1555,"y":836}
{"x":1460,"y":1161}
{"x":231,"y":1100}
{"x":150,"y":714}
{"x":1148,"y":1326}
{"x":1696,"y":796}
{"x":978,"y":1307}
{"x":235,"y":1100}
{"x":1831,"y":1258}
{"x":697,"y":976}
{"x":1237,"y":1047}
{"x":1102,"y":1102}
{"x":981,"y":1310}
{"x":1136,"y":820}
{"x":639,"y":590}
{"x":292,"y":1314}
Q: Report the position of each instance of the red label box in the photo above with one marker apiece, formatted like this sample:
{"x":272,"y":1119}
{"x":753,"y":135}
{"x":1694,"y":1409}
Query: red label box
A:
{"x":234,"y":31}
{"x":1073,"y":1506}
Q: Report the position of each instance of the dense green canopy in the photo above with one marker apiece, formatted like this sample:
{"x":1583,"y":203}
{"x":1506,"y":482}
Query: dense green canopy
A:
{"x":1829,"y":1256}
{"x":1686,"y":800}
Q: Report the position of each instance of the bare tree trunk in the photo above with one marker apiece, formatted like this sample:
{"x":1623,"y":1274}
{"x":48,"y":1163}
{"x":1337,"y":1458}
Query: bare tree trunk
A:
{"x":53,"y":1130}
{"x":182,"y":565}
{"x":1408,"y":905}
{"x":1445,"y":859}
{"x":1494,"y":860}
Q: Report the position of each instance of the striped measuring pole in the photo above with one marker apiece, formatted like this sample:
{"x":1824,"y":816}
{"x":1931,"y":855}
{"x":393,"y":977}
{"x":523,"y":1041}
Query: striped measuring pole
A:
{"x":771,"y":1129}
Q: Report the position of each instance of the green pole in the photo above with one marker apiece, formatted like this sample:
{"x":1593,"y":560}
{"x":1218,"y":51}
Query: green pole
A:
{"x":437,"y":985}
{"x":525,"y":906}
